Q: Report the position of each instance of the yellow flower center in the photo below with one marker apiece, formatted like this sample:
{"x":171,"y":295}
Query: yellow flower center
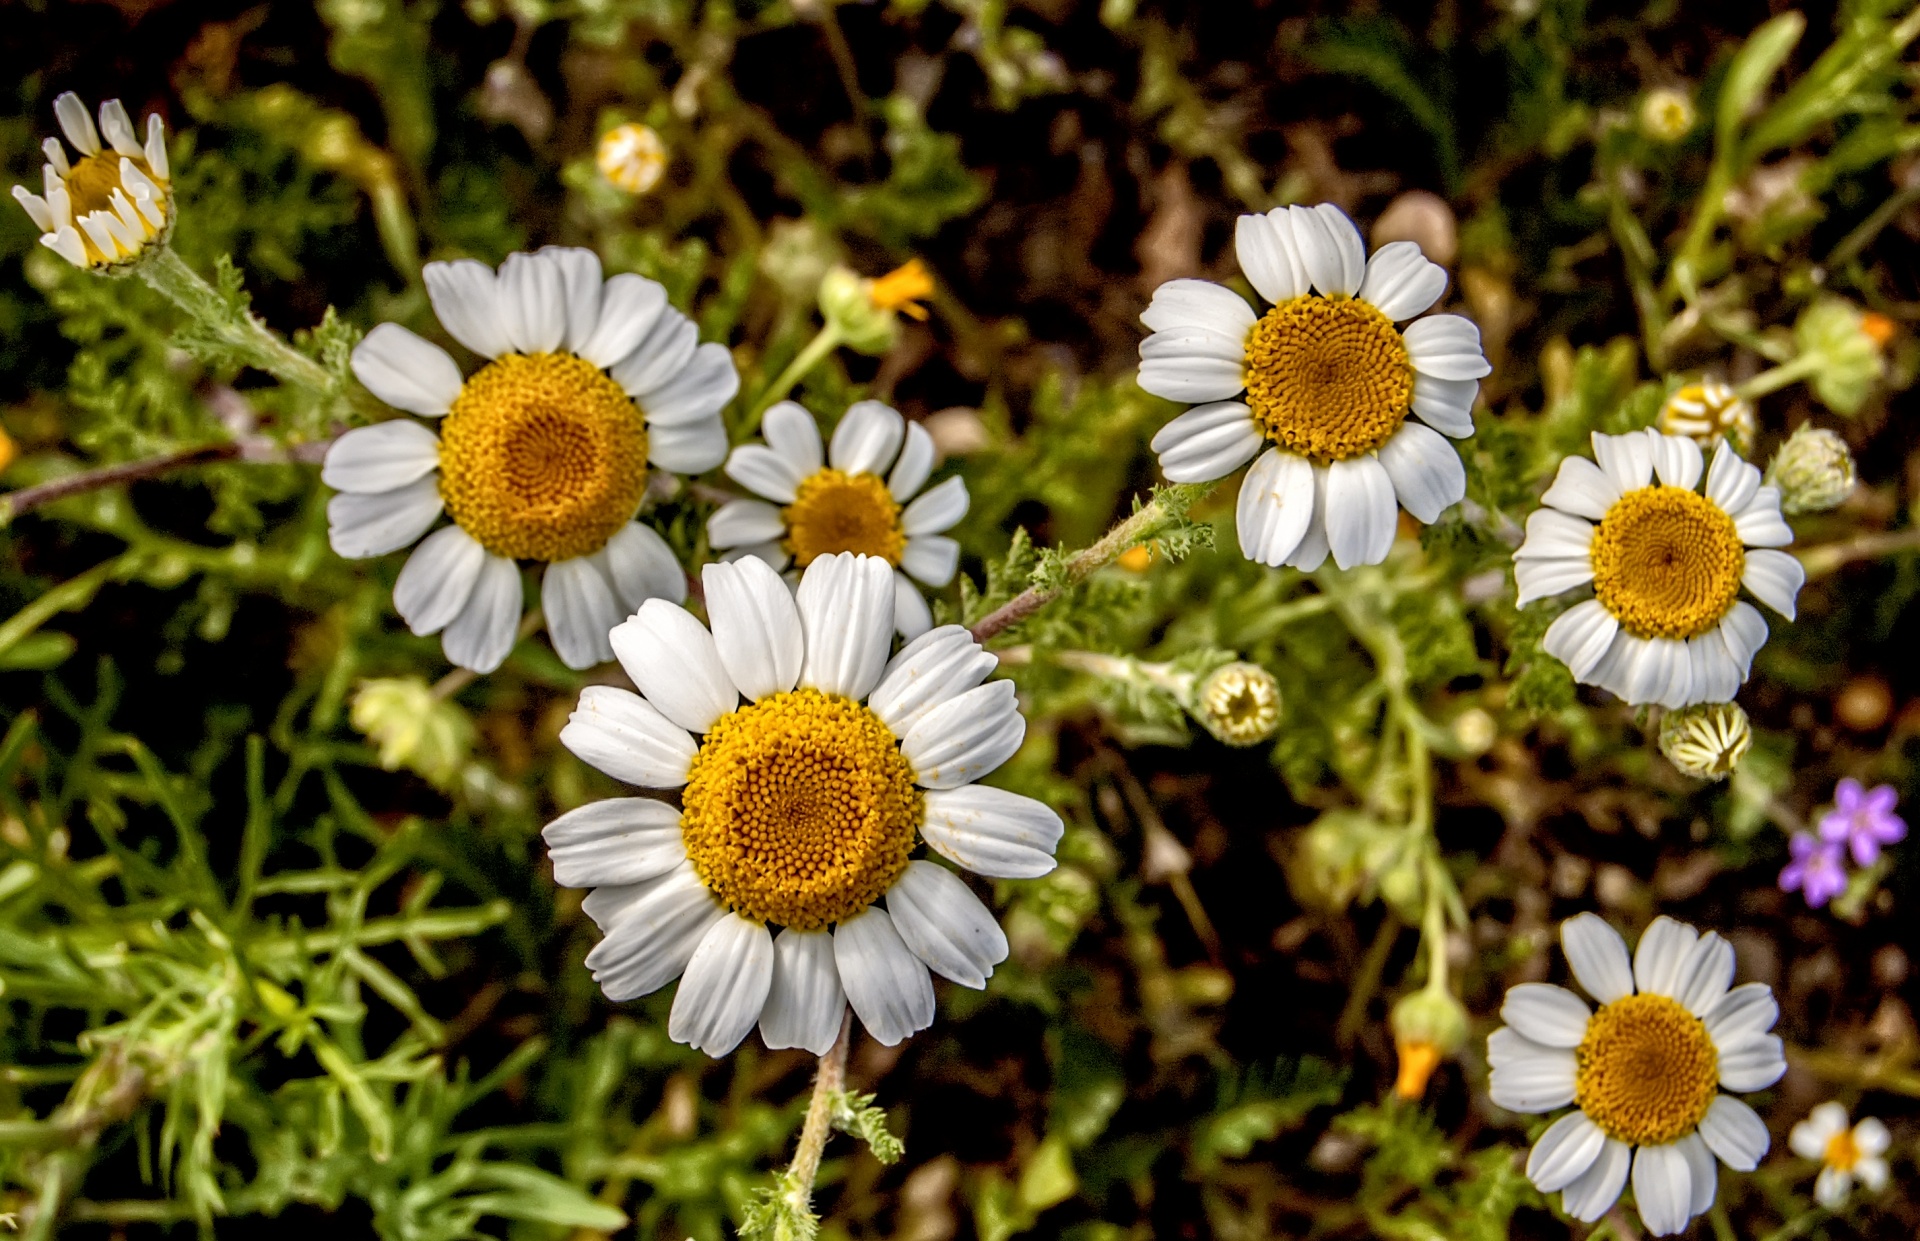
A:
{"x":799,"y":809}
{"x":1842,"y":1151}
{"x":90,"y":185}
{"x":1327,"y":379}
{"x":1646,"y":1070}
{"x":833,"y":511}
{"x":1667,"y":562}
{"x":542,"y":457}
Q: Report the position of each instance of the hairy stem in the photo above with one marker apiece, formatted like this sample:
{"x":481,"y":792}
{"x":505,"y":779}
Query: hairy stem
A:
{"x":827,"y":1082}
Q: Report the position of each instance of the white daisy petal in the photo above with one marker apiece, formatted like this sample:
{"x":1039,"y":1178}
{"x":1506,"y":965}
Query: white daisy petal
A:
{"x":965,"y":737}
{"x":931,"y":558}
{"x":532,"y":303}
{"x":765,"y":472}
{"x":438,"y":579}
{"x":1680,"y":690}
{"x":1735,"y":1133}
{"x":756,"y":627}
{"x":805,"y":1002}
{"x":740,"y":522}
{"x":1275,"y":507}
{"x":1195,"y":376}
{"x":1744,"y":631}
{"x":791,"y":431}
{"x":1873,"y":1171}
{"x":625,"y":736}
{"x":1731,"y":481}
{"x":937,"y":510}
{"x":1207,"y":442}
{"x":481,"y":637}
{"x":1580,"y":637}
{"x":359,"y":526}
{"x":1598,"y":957}
{"x":1752,"y":1064}
{"x":67,"y":244}
{"x":629,"y":308}
{"x":641,"y":566}
{"x":117,"y":128}
{"x":156,"y":148}
{"x":1704,"y":975}
{"x":1716,"y":678}
{"x":1428,"y":477}
{"x":649,"y":944}
{"x":1564,"y":1152}
{"x":1543,"y":579}
{"x":1446,"y":347}
{"x":934,"y":668}
{"x":1446,"y":405}
{"x":1744,"y":1013}
{"x":580,"y":284}
{"x":1676,"y":460}
{"x":992,"y":832}
{"x":690,"y":448}
{"x":382,"y":457}
{"x":697,"y":393}
{"x":662,"y":352}
{"x":1361,"y":515}
{"x":1526,"y":1076}
{"x":406,"y":371}
{"x":1627,"y":459}
{"x":1870,"y":1137}
{"x":1663,"y":949}
{"x":36,"y":208}
{"x":1312,"y":551}
{"x":1662,"y":1189}
{"x":76,"y":123}
{"x":1775,"y":579}
{"x":674,"y":662}
{"x":1824,"y":1123}
{"x":1330,"y":248}
{"x":1831,"y":1187}
{"x":1760,"y":523}
{"x":1701,"y":1170}
{"x":945,"y":925}
{"x":1656,"y":670}
{"x":773,"y":553}
{"x":1545,"y":1014}
{"x":911,"y":615}
{"x":1269,"y":258}
{"x":466,"y":300}
{"x":846,"y":613}
{"x":915,"y":464}
{"x":616,"y":841}
{"x":1202,"y":304}
{"x":724,"y":987}
{"x":581,"y":610}
{"x":1594,"y":1193}
{"x":889,"y":988}
{"x":1401,"y":282}
{"x":1581,"y":488}
{"x":867,"y":439}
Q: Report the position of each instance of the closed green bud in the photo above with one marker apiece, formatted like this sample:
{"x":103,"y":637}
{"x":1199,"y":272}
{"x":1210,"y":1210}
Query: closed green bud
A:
{"x":867,"y":312}
{"x":1239,"y":703}
{"x":413,"y":729}
{"x":1706,"y":741}
{"x":1667,"y":114}
{"x":1813,"y":470}
{"x":1430,"y":1016}
{"x":1845,"y":351}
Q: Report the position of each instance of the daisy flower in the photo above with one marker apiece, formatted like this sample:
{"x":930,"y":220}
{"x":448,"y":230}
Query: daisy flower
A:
{"x":807,"y":765}
{"x":106,"y":207}
{"x":863,"y":494}
{"x":1707,"y":412}
{"x":1645,"y":1072}
{"x":1666,"y":624}
{"x":542,"y":453}
{"x":1845,"y":1154}
{"x":1323,"y":382}
{"x":631,"y":157}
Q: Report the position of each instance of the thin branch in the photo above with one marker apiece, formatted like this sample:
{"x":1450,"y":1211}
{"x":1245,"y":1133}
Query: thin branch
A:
{"x":1830,"y":557}
{"x":261,"y":451}
{"x":827,"y":1082}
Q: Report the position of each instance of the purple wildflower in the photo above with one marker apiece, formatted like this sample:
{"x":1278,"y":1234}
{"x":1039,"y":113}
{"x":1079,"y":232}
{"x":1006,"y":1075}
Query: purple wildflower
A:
{"x":1862,"y":820}
{"x":1817,"y":870}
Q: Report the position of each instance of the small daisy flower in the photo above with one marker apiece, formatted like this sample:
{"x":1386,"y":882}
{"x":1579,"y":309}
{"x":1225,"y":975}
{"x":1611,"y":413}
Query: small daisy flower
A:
{"x":1817,"y":871}
{"x":1846,"y":1154}
{"x":1666,"y":624}
{"x":1863,"y":820}
{"x":631,"y":157}
{"x":1323,"y":382}
{"x":1645,"y":1072}
{"x":542,"y":453}
{"x":1708,"y":412}
{"x":105,"y":208}
{"x":863,"y":494}
{"x":807,"y":764}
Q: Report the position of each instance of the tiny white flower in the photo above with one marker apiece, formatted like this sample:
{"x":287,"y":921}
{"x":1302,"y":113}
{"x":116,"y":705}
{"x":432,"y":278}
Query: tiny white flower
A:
{"x":1667,"y":562}
{"x":113,"y":202}
{"x":631,"y":157}
{"x":1845,"y":1154}
{"x":865,"y":491}
{"x":808,"y":764}
{"x":542,"y":454}
{"x":1644,"y":1072}
{"x":1323,"y":381}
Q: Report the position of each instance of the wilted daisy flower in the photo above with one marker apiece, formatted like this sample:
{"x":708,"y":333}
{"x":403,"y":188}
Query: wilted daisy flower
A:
{"x":107,"y":207}
{"x":807,"y":764}
{"x":1323,"y":381}
{"x":542,"y":455}
{"x":1846,"y":1154}
{"x":1645,"y":1071}
{"x":1708,"y":412}
{"x":1666,"y":624}
{"x":859,"y":496}
{"x":1707,"y":740}
{"x":631,"y":157}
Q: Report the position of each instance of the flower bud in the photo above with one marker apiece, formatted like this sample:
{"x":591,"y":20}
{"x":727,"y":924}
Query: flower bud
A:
{"x":1844,"y":348}
{"x":1707,"y":412}
{"x":631,"y":157}
{"x":1813,"y":470}
{"x":1239,"y":703}
{"x":1666,"y":114}
{"x":1706,"y":741}
{"x":1428,"y":1026}
{"x":1474,"y":730}
{"x":110,"y":206}
{"x":867,"y":312}
{"x":413,"y":728}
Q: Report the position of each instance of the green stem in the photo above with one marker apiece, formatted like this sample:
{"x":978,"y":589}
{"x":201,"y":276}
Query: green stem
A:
{"x":824,"y":342}
{"x":827,"y":1081}
{"x":1778,"y":377}
{"x":71,"y":594}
